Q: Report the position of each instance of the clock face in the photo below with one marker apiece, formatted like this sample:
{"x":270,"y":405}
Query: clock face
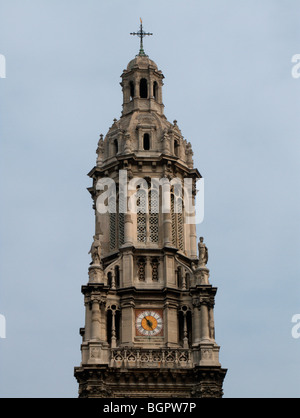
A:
{"x":149,"y":323}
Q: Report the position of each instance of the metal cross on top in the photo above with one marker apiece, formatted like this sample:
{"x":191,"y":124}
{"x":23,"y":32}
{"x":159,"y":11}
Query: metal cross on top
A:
{"x":141,"y":33}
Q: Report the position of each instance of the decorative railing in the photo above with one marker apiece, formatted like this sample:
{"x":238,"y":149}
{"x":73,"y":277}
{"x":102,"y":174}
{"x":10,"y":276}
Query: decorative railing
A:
{"x":140,"y":357}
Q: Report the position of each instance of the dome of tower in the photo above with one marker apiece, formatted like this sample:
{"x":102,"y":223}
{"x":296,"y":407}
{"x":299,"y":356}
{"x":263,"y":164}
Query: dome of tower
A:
{"x":142,"y":62}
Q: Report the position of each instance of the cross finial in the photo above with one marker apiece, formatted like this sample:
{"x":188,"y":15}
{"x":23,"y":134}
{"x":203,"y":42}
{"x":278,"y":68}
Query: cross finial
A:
{"x":141,"y":34}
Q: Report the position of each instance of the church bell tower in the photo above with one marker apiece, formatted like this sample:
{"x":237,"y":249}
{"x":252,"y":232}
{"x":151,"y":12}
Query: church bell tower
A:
{"x":149,"y":324}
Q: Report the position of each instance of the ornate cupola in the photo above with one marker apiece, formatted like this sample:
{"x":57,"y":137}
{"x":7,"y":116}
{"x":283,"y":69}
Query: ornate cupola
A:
{"x":142,"y":86}
{"x":149,"y":323}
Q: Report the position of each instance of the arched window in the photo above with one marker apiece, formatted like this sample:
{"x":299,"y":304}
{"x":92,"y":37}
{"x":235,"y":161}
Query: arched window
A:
{"x":185,"y":326}
{"x":121,"y":218}
{"x":179,"y":277}
{"x":131,"y":87}
{"x":109,"y":279}
{"x":187,"y":280}
{"x":147,"y":216}
{"x":117,"y":222}
{"x":146,"y":142}
{"x":108,"y":325}
{"x":116,"y":146}
{"x":142,"y":215}
{"x":143,"y":88}
{"x":117,"y":276}
{"x":153,"y":216}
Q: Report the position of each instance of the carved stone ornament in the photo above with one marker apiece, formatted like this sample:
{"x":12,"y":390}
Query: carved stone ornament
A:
{"x":154,"y":265}
{"x":141,"y":268}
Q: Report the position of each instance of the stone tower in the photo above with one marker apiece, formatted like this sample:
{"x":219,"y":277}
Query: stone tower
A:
{"x":149,"y":324}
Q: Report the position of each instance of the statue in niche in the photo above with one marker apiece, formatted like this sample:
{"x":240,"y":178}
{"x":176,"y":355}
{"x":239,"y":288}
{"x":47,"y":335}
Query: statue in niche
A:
{"x":95,"y":251}
{"x":203,"y":252}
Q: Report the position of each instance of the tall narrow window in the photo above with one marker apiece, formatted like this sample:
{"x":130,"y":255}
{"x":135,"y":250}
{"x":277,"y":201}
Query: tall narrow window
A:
{"x":154,"y":216}
{"x":143,"y":88}
{"x":179,"y":277}
{"x":173,"y":218}
{"x":180,"y":229}
{"x":146,"y":142}
{"x":117,"y":222}
{"x":147,"y":216}
{"x":109,"y":279}
{"x":121,"y":218}
{"x":112,"y":231}
{"x":142,"y":215}
{"x":112,"y":223}
{"x":177,"y":222}
{"x":117,"y":276}
{"x":176,"y":148}
{"x":118,"y":325}
{"x":131,"y":87}
{"x":108,"y":325}
{"x":116,"y":145}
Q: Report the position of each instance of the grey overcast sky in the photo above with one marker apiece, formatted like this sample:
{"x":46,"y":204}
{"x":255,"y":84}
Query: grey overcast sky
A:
{"x":228,"y":83}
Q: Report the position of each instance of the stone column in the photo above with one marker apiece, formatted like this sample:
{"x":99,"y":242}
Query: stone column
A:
{"x":159,"y":92}
{"x":193,"y":238}
{"x":136,"y":88}
{"x":140,"y":134}
{"x":196,"y":322}
{"x":167,"y":223}
{"x":183,"y":281}
{"x":113,"y":329}
{"x":127,"y":269}
{"x":204,"y":321}
{"x":87,"y":331}
{"x":103,"y":312}
{"x":150,"y":88}
{"x":211,"y":322}
{"x":128,"y":230}
{"x":185,"y":334}
{"x":96,"y":320}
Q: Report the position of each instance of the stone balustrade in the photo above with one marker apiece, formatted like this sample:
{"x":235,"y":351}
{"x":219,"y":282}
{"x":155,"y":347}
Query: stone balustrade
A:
{"x":154,"y":358}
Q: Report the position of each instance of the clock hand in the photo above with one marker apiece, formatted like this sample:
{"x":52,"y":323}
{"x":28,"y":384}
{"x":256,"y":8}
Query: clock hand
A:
{"x":149,"y":323}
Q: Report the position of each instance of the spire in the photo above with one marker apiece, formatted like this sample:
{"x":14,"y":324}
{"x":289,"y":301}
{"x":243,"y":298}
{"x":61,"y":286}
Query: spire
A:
{"x":141,"y":34}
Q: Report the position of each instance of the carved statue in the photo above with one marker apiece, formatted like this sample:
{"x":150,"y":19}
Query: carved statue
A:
{"x":189,"y":155}
{"x":203,"y":252}
{"x":95,"y":251}
{"x":100,"y":150}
